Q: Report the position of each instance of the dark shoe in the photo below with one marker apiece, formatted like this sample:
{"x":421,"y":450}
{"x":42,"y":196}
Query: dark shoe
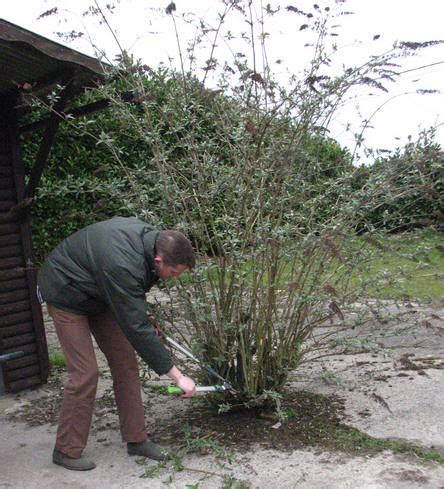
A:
{"x":148,"y":449}
{"x":70,"y":463}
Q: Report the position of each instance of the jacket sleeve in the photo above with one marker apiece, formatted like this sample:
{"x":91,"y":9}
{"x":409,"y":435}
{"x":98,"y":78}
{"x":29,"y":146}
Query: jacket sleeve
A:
{"x":124,"y":293}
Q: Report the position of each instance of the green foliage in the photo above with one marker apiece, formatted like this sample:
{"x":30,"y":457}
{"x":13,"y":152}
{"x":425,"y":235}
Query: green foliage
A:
{"x":329,"y":377}
{"x":57,"y":359}
{"x":80,"y":185}
{"x":411,"y":187}
{"x":206,"y":445}
{"x":202,"y":445}
{"x":99,"y":164}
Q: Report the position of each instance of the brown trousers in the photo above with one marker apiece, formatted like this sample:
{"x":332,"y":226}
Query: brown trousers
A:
{"x":74,"y":333}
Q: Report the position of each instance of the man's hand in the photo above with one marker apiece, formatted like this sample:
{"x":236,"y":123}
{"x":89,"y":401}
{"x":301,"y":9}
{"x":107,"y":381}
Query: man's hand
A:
{"x":185,"y":383}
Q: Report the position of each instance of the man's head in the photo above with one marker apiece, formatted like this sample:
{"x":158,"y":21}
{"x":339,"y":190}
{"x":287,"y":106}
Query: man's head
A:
{"x":174,"y":254}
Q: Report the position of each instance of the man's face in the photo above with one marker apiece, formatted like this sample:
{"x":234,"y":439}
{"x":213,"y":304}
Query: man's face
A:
{"x":168,"y":271}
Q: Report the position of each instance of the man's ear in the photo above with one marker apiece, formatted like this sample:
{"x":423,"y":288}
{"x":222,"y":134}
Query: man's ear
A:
{"x":158,"y":260}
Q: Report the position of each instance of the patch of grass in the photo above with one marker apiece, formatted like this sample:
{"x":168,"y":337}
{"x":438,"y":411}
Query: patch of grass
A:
{"x":329,"y":377}
{"x":206,"y":444}
{"x":57,"y":359}
{"x":409,"y":265}
{"x":152,"y":471}
{"x":350,"y":439}
{"x":352,"y":345}
{"x":288,"y":413}
{"x":230,"y":482}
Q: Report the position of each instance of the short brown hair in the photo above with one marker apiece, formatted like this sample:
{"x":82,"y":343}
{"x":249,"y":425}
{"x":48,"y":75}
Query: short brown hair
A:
{"x":175,"y":248}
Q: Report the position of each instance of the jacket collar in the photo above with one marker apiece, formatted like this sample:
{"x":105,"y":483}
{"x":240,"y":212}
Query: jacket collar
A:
{"x":149,"y":246}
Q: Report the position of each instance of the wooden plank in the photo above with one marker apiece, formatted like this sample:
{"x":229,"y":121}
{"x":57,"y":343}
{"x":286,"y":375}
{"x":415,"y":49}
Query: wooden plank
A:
{"x":26,"y":349}
{"x":5,"y":205}
{"x":17,"y":341}
{"x":9,"y":229}
{"x":13,"y":262}
{"x":8,"y":194}
{"x":21,"y":373}
{"x":5,"y":157}
{"x":23,"y":361}
{"x":15,"y":307}
{"x":9,"y":239}
{"x":22,"y":384}
{"x":7,"y":217}
{"x":3,"y":139}
{"x":5,"y":171}
{"x":9,"y":285}
{"x":11,"y":250}
{"x":14,"y":296}
{"x":6,"y":182}
{"x":15,"y":273}
{"x":11,"y":319}
{"x":17,"y":329}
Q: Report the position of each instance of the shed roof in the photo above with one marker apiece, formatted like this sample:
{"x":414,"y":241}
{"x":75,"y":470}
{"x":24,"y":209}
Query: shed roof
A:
{"x":28,"y":58}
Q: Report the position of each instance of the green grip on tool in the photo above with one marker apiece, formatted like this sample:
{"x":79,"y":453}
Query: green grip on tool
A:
{"x":172,"y":389}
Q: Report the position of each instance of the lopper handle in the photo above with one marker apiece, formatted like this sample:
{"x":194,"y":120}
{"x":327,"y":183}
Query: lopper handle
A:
{"x":172,"y":389}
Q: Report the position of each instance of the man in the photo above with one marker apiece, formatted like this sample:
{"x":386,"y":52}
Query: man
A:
{"x":94,"y":282}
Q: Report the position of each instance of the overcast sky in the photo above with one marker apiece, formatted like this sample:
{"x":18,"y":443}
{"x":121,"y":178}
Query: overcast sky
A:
{"x":143,"y":28}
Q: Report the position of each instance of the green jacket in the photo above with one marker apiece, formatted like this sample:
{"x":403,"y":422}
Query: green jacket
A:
{"x":109,"y":264}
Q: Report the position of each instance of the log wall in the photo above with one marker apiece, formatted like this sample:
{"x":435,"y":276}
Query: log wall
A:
{"x":21,"y":322}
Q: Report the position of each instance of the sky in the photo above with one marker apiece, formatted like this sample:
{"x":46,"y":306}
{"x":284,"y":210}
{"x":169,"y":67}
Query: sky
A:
{"x":143,"y":28}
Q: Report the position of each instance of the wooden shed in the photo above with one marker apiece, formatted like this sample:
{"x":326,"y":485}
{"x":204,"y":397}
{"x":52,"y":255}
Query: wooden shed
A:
{"x":31,"y":66}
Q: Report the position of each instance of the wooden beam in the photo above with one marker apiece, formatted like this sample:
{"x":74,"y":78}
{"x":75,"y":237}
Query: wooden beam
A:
{"x":17,"y":318}
{"x":23,"y":361}
{"x":26,"y":383}
{"x":130,"y":97}
{"x":22,"y":373}
{"x":77,"y":112}
{"x":47,"y":141}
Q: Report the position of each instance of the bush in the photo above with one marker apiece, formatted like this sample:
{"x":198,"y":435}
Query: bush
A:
{"x":270,"y":202}
{"x":413,"y":187}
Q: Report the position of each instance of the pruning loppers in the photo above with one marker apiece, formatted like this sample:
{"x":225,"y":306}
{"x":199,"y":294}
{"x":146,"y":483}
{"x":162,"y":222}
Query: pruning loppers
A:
{"x":225,"y":386}
{"x":172,"y":389}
